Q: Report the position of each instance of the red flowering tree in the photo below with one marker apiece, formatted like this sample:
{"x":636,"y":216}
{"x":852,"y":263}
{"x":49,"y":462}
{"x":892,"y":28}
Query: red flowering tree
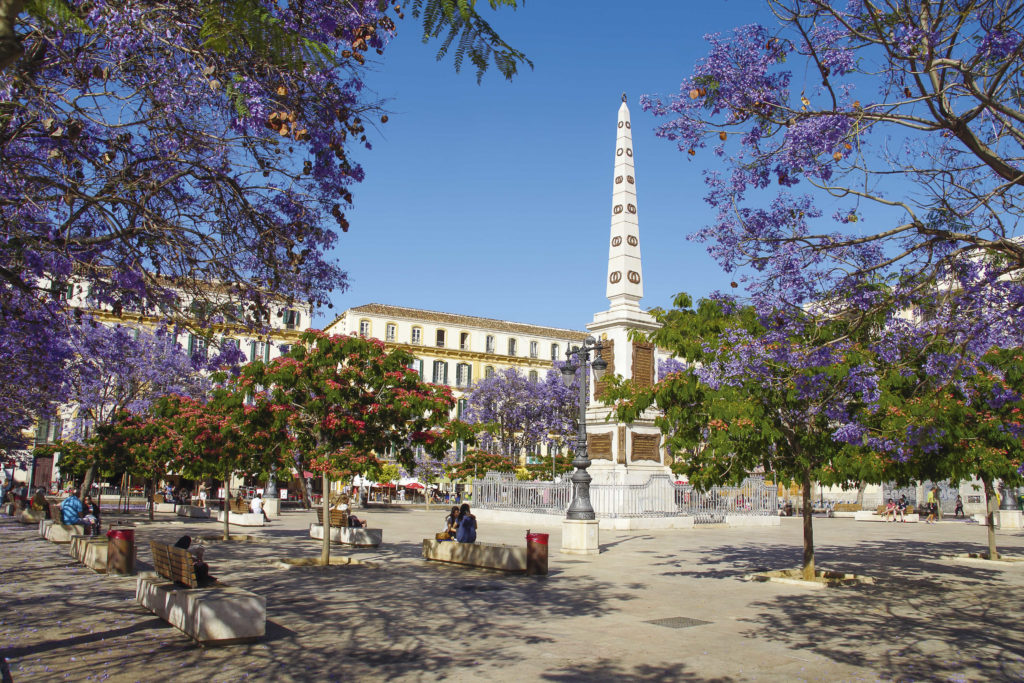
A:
{"x":479,"y":463}
{"x":346,"y":399}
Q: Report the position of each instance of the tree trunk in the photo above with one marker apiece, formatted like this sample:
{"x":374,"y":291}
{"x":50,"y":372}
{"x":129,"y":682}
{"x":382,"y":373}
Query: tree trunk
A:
{"x":10,"y":46}
{"x":861,"y":486}
{"x":325,"y":548}
{"x":226,"y":507}
{"x":90,"y":475}
{"x":149,"y":497}
{"x":990,"y":517}
{"x":808,"y":568}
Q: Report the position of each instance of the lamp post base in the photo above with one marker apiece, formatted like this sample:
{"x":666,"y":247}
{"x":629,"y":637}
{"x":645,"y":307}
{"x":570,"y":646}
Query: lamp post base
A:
{"x":580,"y":537}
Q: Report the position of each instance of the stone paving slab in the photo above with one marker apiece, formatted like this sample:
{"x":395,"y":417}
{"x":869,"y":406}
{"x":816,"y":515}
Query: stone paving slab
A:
{"x":591,"y":619}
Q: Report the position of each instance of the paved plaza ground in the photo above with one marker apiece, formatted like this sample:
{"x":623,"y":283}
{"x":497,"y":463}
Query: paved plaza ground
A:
{"x":591,"y":619}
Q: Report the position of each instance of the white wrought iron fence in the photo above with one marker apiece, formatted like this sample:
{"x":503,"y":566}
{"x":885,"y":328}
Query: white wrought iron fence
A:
{"x":659,"y":496}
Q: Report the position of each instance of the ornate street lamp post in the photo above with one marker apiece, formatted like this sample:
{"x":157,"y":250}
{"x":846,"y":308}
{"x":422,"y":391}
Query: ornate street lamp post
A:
{"x":578,"y":359}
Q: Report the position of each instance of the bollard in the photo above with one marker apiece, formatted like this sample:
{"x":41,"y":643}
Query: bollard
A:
{"x":536,"y":553}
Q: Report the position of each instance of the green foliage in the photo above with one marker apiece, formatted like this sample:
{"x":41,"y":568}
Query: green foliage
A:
{"x":472,"y":36}
{"x":243,"y":26}
{"x":477,"y":464}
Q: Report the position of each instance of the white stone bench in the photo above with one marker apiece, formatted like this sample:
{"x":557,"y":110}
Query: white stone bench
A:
{"x":219,"y":614}
{"x":193,"y":511}
{"x":44,"y":527}
{"x":239,"y":519}
{"x":31,"y":516}
{"x":164,"y":507}
{"x":62,"y":533}
{"x":357,"y":536}
{"x":872,"y":516}
{"x":509,"y":558}
{"x":91,"y":551}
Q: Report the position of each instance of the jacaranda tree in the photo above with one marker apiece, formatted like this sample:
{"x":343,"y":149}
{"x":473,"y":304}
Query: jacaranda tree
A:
{"x":118,"y":369}
{"x":857,"y":143}
{"x":187,"y":159}
{"x":514,"y":414}
{"x":756,"y":397}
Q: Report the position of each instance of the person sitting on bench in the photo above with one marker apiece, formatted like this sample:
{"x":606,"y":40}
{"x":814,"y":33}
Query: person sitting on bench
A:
{"x":91,"y":520}
{"x":200,"y":567}
{"x":890,"y":510}
{"x":467,"y":525}
{"x":71,"y":509}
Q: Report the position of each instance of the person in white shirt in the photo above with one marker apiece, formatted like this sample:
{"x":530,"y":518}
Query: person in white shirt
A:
{"x":257,"y":507}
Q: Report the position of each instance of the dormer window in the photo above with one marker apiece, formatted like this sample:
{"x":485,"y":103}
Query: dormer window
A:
{"x":292,"y":318}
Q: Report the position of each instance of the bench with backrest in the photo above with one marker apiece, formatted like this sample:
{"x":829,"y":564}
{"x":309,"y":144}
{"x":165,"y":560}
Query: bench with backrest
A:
{"x":341,"y":532}
{"x":880,"y":510}
{"x":339,"y":518}
{"x":208,"y":611}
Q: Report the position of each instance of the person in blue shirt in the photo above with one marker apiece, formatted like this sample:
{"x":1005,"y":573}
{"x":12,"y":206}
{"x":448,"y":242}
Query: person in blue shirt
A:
{"x":467,"y":526}
{"x":71,"y":509}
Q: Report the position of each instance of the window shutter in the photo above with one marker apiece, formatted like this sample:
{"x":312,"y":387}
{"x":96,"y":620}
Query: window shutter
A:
{"x":298,"y":319}
{"x":266,"y":352}
{"x":252,"y":351}
{"x":445,"y":365}
{"x":469,"y":375}
{"x":191,"y":344}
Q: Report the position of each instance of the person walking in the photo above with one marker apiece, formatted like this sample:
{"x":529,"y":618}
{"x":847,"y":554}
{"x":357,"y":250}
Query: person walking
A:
{"x":932,"y":506}
{"x":959,"y":511}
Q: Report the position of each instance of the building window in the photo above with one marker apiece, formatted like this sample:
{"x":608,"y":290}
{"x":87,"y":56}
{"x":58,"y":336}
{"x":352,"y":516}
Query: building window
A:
{"x":533,"y":377}
{"x":292,"y":318}
{"x":364,"y":328}
{"x":511,"y":347}
{"x":490,"y":343}
{"x":464,"y":341}
{"x":390,"y":331}
{"x":554,"y":352}
{"x":48,"y":430}
{"x":440,"y":338}
{"x":417,"y":365}
{"x":259,"y":351}
{"x":196,"y":346}
{"x":488,"y":372}
{"x":440,"y":372}
{"x":417,"y":335}
{"x":463,"y":375}
{"x":534,"y":349}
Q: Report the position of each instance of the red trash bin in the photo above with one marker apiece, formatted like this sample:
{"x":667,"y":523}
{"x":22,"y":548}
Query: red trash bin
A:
{"x":536,"y":553}
{"x":121,"y":551}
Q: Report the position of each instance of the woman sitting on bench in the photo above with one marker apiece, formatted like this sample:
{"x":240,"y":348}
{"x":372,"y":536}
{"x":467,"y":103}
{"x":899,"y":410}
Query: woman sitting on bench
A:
{"x":91,"y":518}
{"x":200,"y":567}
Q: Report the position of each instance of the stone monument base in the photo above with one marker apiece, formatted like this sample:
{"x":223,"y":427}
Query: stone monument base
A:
{"x":580,"y":537}
{"x":1009,"y":519}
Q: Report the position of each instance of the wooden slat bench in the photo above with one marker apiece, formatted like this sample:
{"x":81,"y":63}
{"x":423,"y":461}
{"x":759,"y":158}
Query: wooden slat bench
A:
{"x":212,"y":613}
{"x":339,"y":518}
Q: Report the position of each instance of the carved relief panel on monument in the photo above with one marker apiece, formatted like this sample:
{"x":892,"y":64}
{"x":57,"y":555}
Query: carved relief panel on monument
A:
{"x":599,"y":446}
{"x":620,"y":446}
{"x":643,"y":364}
{"x":645,"y":447}
{"x":608,"y":354}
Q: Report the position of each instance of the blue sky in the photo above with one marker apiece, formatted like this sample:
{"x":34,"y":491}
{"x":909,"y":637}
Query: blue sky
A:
{"x":495,"y":199}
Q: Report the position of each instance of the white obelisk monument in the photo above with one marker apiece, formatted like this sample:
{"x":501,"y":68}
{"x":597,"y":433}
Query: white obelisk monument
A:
{"x":624,"y":453}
